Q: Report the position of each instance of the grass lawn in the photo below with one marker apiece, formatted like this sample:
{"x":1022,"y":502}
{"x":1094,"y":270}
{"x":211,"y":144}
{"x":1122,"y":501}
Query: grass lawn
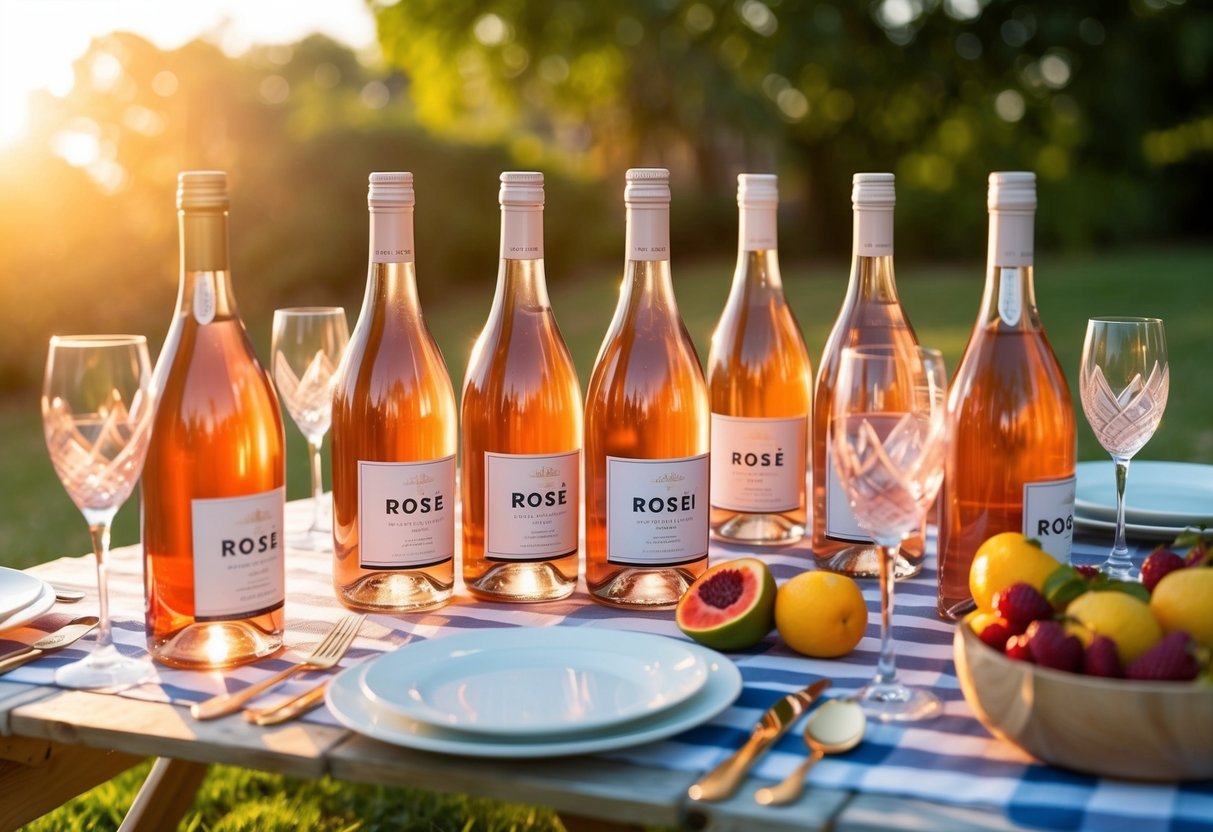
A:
{"x":37,"y":522}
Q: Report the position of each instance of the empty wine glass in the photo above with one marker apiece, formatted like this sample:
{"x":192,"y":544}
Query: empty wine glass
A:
{"x":97,"y":413}
{"x":307,"y":345}
{"x":1123,"y":383}
{"x":889,"y":430}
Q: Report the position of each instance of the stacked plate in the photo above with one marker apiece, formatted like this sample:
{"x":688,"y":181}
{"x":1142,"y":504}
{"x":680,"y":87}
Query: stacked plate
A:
{"x":1161,"y":498}
{"x":22,"y":598}
{"x":534,"y":692}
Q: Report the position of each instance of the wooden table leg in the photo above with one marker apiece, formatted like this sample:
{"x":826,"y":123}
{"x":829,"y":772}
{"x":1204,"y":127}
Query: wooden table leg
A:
{"x":37,"y":776}
{"x":165,"y":796}
{"x":578,"y":823}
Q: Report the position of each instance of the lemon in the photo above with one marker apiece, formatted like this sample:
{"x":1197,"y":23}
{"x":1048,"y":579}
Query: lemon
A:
{"x":978,"y":620}
{"x":1183,"y":600}
{"x":1122,"y":618}
{"x":821,"y":614}
{"x":1005,"y":559}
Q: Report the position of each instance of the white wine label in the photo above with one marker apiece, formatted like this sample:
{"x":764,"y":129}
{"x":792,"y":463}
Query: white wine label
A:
{"x":1011,"y":240}
{"x":392,"y":235}
{"x":531,"y":504}
{"x":648,"y":232}
{"x":758,"y":232}
{"x":521,"y":233}
{"x":657,"y":510}
{"x":204,"y":298}
{"x":758,"y":463}
{"x":874,"y":232}
{"x":1048,"y":515}
{"x":239,"y":563}
{"x":1010,"y":295}
{"x":840,"y":520}
{"x":406,"y":513}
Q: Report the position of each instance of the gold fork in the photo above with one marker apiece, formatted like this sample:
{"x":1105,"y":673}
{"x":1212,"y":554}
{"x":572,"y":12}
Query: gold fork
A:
{"x":326,"y":654}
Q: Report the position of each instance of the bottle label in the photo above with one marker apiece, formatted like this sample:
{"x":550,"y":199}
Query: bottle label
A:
{"x":406,"y":513}
{"x":758,"y":228}
{"x":758,"y":464}
{"x":657,"y":510}
{"x":204,"y":297}
{"x":239,"y":563}
{"x":873,"y":232}
{"x":521,"y":233}
{"x":1011,"y":241}
{"x":392,"y":236}
{"x":1048,"y":515}
{"x":1010,"y":296}
{"x":648,"y":232}
{"x":531,"y":504}
{"x":840,"y":520}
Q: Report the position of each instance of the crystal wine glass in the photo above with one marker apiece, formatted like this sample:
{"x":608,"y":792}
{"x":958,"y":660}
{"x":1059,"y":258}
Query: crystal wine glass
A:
{"x":889,"y":424}
{"x":97,"y":411}
{"x":307,"y":345}
{"x":1123,"y":383}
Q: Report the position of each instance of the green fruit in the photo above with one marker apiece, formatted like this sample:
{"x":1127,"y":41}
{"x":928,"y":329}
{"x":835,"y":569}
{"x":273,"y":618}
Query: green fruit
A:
{"x":731,"y":606}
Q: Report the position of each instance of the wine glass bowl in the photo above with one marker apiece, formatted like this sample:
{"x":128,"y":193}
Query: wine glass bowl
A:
{"x":308,"y":343}
{"x":889,"y":432}
{"x":97,"y":413}
{"x":1124,"y":381}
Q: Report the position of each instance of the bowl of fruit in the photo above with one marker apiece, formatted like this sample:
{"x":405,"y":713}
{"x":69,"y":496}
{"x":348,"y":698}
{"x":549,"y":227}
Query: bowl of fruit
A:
{"x":1100,"y":676}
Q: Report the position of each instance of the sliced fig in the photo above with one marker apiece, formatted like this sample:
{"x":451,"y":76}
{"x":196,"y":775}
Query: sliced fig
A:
{"x":731,"y":606}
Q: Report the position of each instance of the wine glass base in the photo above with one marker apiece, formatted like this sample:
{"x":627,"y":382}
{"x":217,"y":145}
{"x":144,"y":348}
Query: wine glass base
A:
{"x":1119,"y":571}
{"x":105,"y":667}
{"x":894,"y":702}
{"x":863,"y":561}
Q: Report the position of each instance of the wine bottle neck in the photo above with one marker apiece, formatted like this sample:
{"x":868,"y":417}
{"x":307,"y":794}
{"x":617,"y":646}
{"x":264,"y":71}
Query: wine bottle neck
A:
{"x":521,"y":232}
{"x":757,"y":271}
{"x":205,"y":290}
{"x":647,"y":286}
{"x":756,"y":228}
{"x":391,"y":237}
{"x":392,"y":286}
{"x":521,"y":284}
{"x":648,"y":233}
{"x":1010,"y":296}
{"x":872,"y":234}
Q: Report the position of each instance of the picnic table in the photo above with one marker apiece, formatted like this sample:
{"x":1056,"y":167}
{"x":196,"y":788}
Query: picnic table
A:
{"x":948,"y":773}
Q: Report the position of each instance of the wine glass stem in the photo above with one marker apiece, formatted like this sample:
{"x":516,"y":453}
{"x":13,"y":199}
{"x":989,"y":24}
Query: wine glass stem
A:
{"x":1119,"y":559}
{"x":313,"y":450}
{"x":886,"y":665}
{"x":100,"y":533}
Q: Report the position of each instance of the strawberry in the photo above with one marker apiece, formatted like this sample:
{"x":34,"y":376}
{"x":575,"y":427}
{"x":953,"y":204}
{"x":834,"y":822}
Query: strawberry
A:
{"x":1100,"y":659}
{"x":1160,"y":563}
{"x":1088,"y":573}
{"x":996,"y":634}
{"x":1020,"y":605}
{"x":1172,"y":659}
{"x":1051,"y":647}
{"x":1017,"y":648}
{"x":1198,"y":555}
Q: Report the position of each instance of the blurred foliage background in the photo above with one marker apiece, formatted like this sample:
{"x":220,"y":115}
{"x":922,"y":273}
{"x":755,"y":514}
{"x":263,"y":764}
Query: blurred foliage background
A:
{"x":1110,"y":103}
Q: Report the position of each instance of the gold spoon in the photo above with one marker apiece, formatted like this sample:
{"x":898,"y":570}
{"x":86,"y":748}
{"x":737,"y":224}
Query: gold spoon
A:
{"x":836,"y":726}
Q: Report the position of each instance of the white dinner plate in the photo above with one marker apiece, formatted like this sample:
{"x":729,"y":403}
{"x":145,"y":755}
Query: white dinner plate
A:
{"x":17,"y":590}
{"x":1134,"y":531}
{"x":1159,"y":494}
{"x":348,"y":703}
{"x":535,"y":681}
{"x":29,"y":612}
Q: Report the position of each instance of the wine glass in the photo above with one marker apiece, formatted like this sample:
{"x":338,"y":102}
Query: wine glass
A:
{"x":889,"y":424}
{"x":307,"y":345}
{"x":97,"y":411}
{"x":1123,"y":383}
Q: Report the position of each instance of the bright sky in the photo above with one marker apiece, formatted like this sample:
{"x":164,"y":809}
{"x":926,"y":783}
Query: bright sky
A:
{"x":39,"y":39}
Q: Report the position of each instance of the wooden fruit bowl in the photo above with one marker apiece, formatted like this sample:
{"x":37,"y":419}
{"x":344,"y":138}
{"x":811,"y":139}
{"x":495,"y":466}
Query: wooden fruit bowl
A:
{"x":1108,"y":727}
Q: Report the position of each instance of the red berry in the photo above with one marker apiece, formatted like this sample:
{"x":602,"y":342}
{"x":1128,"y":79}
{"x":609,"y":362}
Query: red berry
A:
{"x":1100,"y":659}
{"x":1198,"y":555}
{"x":1159,"y":564}
{"x":1051,"y":647}
{"x":1087,"y":573}
{"x":1017,"y":648}
{"x":1020,"y":605}
{"x":996,"y":634}
{"x":1171,"y":659}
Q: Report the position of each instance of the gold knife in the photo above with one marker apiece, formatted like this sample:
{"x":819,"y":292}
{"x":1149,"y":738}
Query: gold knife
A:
{"x":723,"y":780}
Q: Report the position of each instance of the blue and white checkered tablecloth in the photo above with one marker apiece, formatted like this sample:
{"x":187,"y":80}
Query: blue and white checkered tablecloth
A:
{"x":951,"y":759}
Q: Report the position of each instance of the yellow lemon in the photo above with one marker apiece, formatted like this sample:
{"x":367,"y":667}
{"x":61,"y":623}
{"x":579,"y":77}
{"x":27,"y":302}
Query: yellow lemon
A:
{"x":821,"y":614}
{"x":1183,"y":600}
{"x":1120,"y":617}
{"x":1005,"y":559}
{"x":978,"y":620}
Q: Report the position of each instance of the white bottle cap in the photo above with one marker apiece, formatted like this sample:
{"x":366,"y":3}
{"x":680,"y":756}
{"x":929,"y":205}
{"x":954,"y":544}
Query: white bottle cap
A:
{"x":757,"y":189}
{"x":647,"y":186}
{"x":1012,"y":191}
{"x":390,"y":191}
{"x":521,"y":188}
{"x":202,"y":189}
{"x":873,"y":190}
